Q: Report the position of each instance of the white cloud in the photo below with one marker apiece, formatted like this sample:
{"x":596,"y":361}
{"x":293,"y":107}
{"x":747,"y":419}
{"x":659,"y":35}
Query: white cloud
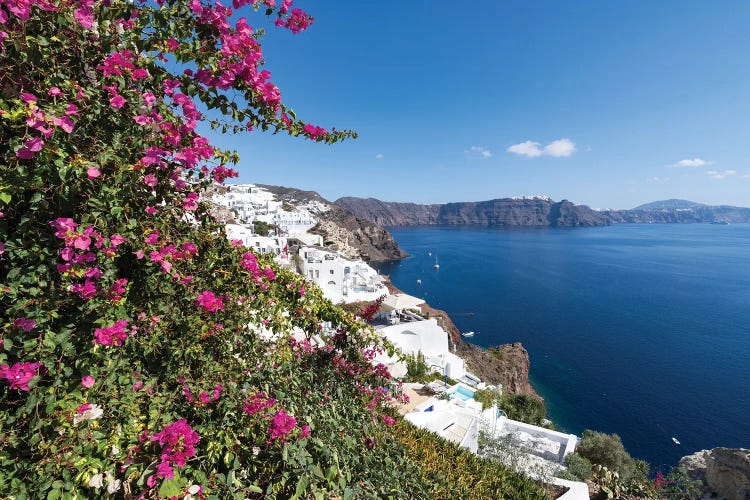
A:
{"x":658,"y":179}
{"x":721,"y":174}
{"x":560,"y":147}
{"x":528,"y":148}
{"x":533,"y":149}
{"x":693,"y":162}
{"x":478,"y":152}
{"x":379,"y":156}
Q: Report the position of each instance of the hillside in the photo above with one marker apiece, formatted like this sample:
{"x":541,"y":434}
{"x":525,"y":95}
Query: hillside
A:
{"x":353,"y":236}
{"x":536,"y":211}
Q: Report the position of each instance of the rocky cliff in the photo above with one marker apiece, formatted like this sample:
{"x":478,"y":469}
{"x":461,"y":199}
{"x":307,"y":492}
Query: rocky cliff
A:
{"x":352,"y":236}
{"x":536,"y":211}
{"x":724,"y":471}
{"x":506,"y":364}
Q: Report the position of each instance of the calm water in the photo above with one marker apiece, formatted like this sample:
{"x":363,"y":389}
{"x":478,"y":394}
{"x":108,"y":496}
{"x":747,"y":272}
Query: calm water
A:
{"x":640,"y":330}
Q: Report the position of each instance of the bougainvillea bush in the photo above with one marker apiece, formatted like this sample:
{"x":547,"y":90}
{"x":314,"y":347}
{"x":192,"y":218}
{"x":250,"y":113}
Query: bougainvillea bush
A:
{"x":142,"y":354}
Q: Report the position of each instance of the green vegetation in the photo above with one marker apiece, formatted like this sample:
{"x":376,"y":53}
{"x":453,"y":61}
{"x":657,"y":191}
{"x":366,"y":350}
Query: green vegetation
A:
{"x":608,"y":451}
{"x":262,"y":228}
{"x":523,"y":407}
{"x":454,"y":472}
{"x":578,"y":468}
{"x":417,"y":369}
{"x":488,"y":397}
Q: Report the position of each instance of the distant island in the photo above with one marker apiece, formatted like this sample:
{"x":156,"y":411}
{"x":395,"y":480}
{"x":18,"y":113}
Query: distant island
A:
{"x":537,"y":211}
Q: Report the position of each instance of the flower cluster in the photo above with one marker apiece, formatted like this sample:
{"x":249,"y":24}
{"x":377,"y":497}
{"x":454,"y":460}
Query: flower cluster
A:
{"x":282,"y":424}
{"x":113,"y":335}
{"x":257,"y":403}
{"x":250,"y":263}
{"x":79,"y":256}
{"x":209,"y":301}
{"x":43,"y":122}
{"x":166,"y":254}
{"x":20,"y":374}
{"x":178,"y":442}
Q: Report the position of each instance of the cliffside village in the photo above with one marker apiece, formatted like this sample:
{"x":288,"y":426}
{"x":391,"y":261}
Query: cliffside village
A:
{"x":448,"y":409}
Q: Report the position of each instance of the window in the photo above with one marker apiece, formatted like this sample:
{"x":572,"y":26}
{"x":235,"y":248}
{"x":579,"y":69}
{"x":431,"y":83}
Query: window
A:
{"x":331,"y":271}
{"x":317,"y":273}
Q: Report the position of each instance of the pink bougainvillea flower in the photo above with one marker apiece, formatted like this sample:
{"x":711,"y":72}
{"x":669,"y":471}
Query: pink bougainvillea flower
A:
{"x":93,"y":173}
{"x":88,"y":381}
{"x":152,"y":238}
{"x":190,"y":202}
{"x":139,"y":74}
{"x":117,"y":240}
{"x":209,"y":301}
{"x":257,"y":403}
{"x":30,"y":147}
{"x":150,"y":180}
{"x":113,"y":335}
{"x":20,"y":374}
{"x":85,"y":16}
{"x":165,"y":470}
{"x":282,"y":425}
{"x":117,"y":101}
{"x":178,"y":442}
{"x":64,"y":123}
{"x":25,"y":324}
{"x":304,"y":431}
{"x":85,"y":290}
{"x":54,"y":92}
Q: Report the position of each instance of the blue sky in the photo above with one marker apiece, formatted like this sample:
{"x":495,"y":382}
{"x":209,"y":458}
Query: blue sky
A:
{"x":610,"y":104}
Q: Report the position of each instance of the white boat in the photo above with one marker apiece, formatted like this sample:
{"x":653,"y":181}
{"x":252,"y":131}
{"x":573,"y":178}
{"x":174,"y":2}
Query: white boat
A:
{"x":675,"y":440}
{"x":436,"y":266}
{"x":419,"y":282}
{"x":467,"y":334}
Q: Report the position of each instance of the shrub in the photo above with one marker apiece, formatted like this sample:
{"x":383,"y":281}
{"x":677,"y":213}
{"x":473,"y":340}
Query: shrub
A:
{"x":523,"y":407}
{"x":487,"y":397}
{"x":417,"y":369}
{"x":608,"y":451}
{"x":262,"y":228}
{"x":578,"y":466}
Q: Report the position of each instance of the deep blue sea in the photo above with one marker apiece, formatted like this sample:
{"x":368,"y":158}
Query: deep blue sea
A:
{"x":640,"y":330}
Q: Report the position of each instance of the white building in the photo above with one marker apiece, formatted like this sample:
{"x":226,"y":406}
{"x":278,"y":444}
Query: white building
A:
{"x":276,"y":245}
{"x":424,"y":337}
{"x":342,"y":280}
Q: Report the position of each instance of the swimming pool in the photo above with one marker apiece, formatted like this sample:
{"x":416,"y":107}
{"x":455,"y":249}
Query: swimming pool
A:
{"x":463,"y":393}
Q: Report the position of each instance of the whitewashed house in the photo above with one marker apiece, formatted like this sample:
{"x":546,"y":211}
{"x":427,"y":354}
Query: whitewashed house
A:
{"x":424,"y":337}
{"x":341,"y":279}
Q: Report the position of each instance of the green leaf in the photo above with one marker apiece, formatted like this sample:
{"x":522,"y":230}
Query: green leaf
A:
{"x":170,"y":488}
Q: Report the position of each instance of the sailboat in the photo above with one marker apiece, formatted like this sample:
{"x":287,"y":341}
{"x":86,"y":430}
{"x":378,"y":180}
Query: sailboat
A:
{"x":436,"y":266}
{"x":675,"y":440}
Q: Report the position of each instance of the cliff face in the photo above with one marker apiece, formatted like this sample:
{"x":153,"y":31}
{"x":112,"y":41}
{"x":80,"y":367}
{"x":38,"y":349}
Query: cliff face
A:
{"x":499,"y":212}
{"x":506,"y":364}
{"x":696,"y":213}
{"x":724,"y":471}
{"x":538,"y":211}
{"x":353,"y":236}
